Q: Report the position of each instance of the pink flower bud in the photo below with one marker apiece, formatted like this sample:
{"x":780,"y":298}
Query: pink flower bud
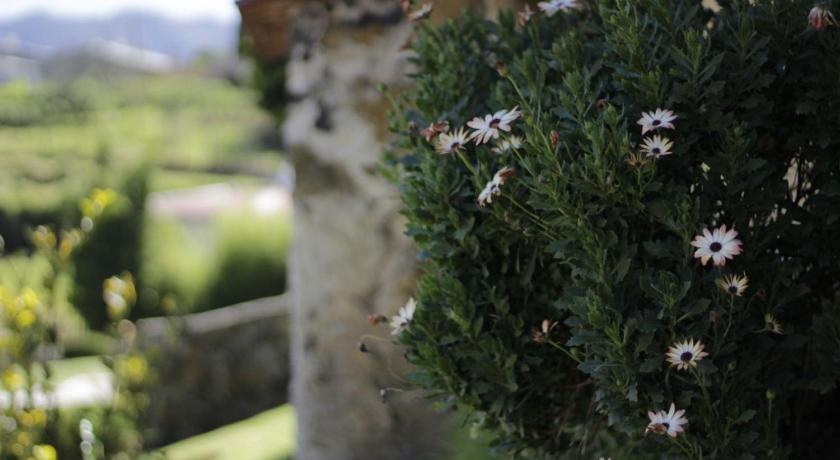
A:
{"x":819,"y":18}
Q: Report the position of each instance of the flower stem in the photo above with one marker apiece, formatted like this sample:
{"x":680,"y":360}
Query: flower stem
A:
{"x":564,"y":350}
{"x":535,"y":218}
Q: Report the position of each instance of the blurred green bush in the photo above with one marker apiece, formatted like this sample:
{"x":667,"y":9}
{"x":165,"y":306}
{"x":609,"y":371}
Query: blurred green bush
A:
{"x":114,"y":226}
{"x":240,"y":257}
{"x":250,"y":260}
{"x":23,"y":105}
{"x":149,"y":134}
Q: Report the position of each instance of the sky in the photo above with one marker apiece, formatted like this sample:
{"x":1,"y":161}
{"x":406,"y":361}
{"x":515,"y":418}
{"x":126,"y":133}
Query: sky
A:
{"x":182,"y":9}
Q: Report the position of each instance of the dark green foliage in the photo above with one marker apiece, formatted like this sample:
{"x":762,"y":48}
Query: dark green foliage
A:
{"x":110,"y":248}
{"x":601,"y":246}
{"x":269,"y":79}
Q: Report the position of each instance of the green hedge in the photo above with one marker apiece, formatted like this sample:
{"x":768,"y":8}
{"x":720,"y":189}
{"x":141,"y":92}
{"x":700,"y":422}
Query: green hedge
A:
{"x":112,"y":246}
{"x":549,"y":311}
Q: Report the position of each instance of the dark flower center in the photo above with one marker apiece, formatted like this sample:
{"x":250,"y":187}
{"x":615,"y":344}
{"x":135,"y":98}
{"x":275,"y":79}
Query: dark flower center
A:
{"x":656,"y":122}
{"x":495,"y":122}
{"x":715,"y":247}
{"x":666,"y":425}
{"x":656,"y":151}
{"x":686,"y":356}
{"x":733,"y":289}
{"x":456,"y":145}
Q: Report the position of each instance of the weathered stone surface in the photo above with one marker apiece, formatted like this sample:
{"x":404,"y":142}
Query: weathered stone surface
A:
{"x":215,"y":368}
{"x":349,"y":257}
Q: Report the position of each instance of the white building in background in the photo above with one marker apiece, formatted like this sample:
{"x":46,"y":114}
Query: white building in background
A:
{"x":106,"y":58}
{"x":98,"y":58}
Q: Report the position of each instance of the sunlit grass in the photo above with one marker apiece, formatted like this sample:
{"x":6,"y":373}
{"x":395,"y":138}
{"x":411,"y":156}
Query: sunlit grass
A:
{"x":267,"y":436}
{"x":63,"y":369}
{"x":271,"y":436}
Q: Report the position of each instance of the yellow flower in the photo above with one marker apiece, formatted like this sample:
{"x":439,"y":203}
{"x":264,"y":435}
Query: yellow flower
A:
{"x":25,"y":419}
{"x":134,"y":369}
{"x":43,"y":237}
{"x":25,"y":319}
{"x":29,"y":298}
{"x":24,"y":439}
{"x":13,"y":379}
{"x":39,"y":417}
{"x":44,"y":452}
{"x":99,"y":200}
{"x":69,"y":241}
{"x":119,"y":295}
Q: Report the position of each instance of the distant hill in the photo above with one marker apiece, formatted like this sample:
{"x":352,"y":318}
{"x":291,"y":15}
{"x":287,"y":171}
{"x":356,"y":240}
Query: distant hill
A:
{"x":180,"y":39}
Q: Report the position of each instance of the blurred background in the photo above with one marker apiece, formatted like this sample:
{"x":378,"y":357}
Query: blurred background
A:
{"x":147,"y":158}
{"x":144,"y":206}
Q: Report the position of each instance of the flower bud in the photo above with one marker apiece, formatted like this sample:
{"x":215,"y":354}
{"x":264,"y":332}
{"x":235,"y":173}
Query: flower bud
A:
{"x":554,"y":137}
{"x":373,"y":320}
{"x":819,"y":18}
{"x":501,"y":68}
{"x":524,"y":17}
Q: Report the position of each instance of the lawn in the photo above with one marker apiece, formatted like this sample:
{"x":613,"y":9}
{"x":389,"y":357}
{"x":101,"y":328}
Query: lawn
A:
{"x":267,"y":436}
{"x":271,"y":436}
{"x":64,"y":369}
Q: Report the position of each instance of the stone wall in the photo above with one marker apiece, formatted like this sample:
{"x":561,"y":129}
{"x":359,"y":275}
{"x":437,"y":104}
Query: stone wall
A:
{"x":215,"y":368}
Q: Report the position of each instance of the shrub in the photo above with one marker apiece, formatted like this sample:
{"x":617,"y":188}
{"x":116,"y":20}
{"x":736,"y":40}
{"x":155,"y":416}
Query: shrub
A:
{"x":30,"y":338}
{"x":549,"y":310}
{"x":250,"y":260}
{"x":242,"y":256}
{"x":113,"y":225}
{"x":22,"y":105}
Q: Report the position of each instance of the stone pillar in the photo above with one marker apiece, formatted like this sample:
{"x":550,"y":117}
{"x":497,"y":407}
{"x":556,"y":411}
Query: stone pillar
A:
{"x":349,"y":256}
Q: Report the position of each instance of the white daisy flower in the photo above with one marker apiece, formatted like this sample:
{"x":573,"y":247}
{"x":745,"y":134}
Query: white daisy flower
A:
{"x":686,"y":353}
{"x":422,"y":13}
{"x":771,"y":324}
{"x":717,"y":246}
{"x":670,"y":423}
{"x":659,"y":118}
{"x":489,"y":127}
{"x":551,"y":7}
{"x":452,"y":142}
{"x":508,"y":145}
{"x":402,"y":320}
{"x":657,"y":146}
{"x":494,"y":187}
{"x":733,"y":284}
